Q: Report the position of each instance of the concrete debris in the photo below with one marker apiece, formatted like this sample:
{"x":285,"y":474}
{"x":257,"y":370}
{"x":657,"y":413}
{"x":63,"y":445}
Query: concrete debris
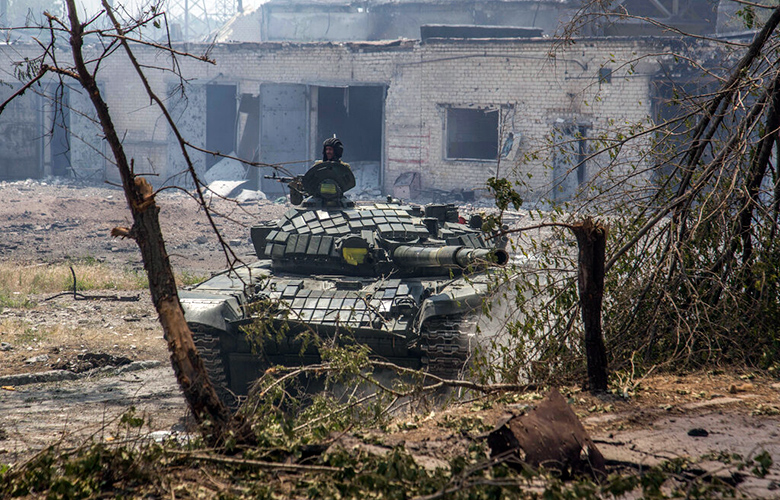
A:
{"x":226,"y":169}
{"x":89,"y":361}
{"x":225,"y":188}
{"x":368,"y":194}
{"x":37,"y":359}
{"x":177,"y":436}
{"x":249,"y":195}
{"x":407,"y":185}
{"x":60,"y":375}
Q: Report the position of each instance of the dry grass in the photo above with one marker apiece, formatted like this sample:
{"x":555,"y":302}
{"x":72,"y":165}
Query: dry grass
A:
{"x":36,"y":317}
{"x":18,"y":281}
{"x":30,"y":279}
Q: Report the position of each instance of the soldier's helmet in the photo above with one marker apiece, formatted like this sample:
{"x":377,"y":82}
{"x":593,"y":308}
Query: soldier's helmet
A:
{"x":338,"y":148}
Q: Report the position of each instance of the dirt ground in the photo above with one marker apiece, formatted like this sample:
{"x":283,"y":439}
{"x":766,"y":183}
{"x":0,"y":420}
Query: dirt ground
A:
{"x":48,"y":223}
{"x":52,"y":222}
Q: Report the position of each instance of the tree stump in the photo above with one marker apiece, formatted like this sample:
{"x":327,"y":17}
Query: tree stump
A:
{"x":592,"y":243}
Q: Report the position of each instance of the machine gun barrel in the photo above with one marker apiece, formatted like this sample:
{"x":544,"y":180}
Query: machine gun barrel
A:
{"x":448,"y":256}
{"x":282,"y":179}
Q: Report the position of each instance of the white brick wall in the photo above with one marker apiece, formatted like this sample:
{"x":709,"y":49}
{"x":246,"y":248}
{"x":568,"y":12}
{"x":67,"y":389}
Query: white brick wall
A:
{"x":420,"y":78}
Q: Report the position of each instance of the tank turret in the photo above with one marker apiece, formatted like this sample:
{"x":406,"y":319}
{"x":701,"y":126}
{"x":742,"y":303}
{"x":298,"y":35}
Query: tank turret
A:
{"x":374,"y":240}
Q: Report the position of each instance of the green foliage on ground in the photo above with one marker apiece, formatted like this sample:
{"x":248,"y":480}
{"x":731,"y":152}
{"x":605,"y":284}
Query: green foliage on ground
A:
{"x":128,"y":465}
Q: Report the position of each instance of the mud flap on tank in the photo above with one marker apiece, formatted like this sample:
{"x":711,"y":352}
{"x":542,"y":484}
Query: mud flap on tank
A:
{"x":212,"y":311}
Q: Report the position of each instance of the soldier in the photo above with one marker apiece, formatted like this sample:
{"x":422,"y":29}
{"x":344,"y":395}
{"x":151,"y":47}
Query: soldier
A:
{"x":332,"y":149}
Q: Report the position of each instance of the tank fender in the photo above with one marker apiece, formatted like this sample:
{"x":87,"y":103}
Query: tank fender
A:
{"x":457,"y":301}
{"x":215,"y":311}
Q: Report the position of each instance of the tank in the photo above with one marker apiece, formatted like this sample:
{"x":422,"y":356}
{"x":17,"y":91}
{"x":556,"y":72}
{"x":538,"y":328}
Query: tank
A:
{"x":402,"y":279}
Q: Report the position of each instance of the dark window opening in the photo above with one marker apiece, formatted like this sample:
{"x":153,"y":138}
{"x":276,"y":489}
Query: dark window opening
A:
{"x":675,"y":100}
{"x":472,"y":134}
{"x":605,"y":75}
{"x":354,"y":115}
{"x":582,"y":155}
{"x":220,"y":121}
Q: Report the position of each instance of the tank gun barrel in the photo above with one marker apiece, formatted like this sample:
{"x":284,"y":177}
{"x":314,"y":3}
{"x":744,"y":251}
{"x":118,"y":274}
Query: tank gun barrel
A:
{"x":448,"y":256}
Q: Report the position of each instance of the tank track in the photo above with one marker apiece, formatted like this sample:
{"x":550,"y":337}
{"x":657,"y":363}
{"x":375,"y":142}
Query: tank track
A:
{"x":445,"y":344}
{"x":210,"y":350}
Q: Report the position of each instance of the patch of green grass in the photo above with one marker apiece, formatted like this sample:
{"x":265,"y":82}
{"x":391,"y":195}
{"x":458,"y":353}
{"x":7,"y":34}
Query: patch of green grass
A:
{"x":15,"y":301}
{"x":187,"y":278}
{"x":32,"y":334}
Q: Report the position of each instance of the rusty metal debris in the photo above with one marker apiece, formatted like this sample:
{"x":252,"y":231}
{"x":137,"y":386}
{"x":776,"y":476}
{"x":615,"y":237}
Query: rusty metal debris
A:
{"x":549,"y":436}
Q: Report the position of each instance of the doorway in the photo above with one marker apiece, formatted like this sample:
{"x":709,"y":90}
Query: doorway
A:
{"x":354,"y":114}
{"x":220,"y":121}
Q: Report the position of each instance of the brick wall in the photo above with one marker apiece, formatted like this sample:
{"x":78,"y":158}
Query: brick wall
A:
{"x":532,"y":90}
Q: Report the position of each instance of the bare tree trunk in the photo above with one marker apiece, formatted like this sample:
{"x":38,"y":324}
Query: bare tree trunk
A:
{"x":190,"y":372}
{"x":592,"y":243}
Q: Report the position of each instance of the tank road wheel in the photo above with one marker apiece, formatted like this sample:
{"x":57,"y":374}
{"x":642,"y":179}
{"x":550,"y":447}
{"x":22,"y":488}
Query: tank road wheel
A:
{"x":210,"y":349}
{"x":445,"y":343}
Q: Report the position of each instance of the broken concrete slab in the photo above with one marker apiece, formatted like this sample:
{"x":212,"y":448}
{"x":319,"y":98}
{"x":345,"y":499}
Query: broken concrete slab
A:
{"x":226,"y":169}
{"x":41,"y":358}
{"x":249,"y":195}
{"x":225,"y":188}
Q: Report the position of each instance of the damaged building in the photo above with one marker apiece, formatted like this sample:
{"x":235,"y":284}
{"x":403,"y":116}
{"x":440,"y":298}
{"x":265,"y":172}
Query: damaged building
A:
{"x":443,"y":111}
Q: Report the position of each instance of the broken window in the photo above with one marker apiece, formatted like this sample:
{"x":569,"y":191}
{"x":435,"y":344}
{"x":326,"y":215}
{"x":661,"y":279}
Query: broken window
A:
{"x":678,"y":93}
{"x":472,"y":134}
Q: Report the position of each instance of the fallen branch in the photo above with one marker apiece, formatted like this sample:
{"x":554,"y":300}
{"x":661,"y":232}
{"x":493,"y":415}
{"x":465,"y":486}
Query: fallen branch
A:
{"x":256,"y":463}
{"x":333,"y":413}
{"x":463,"y":384}
{"x":438,"y":382}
